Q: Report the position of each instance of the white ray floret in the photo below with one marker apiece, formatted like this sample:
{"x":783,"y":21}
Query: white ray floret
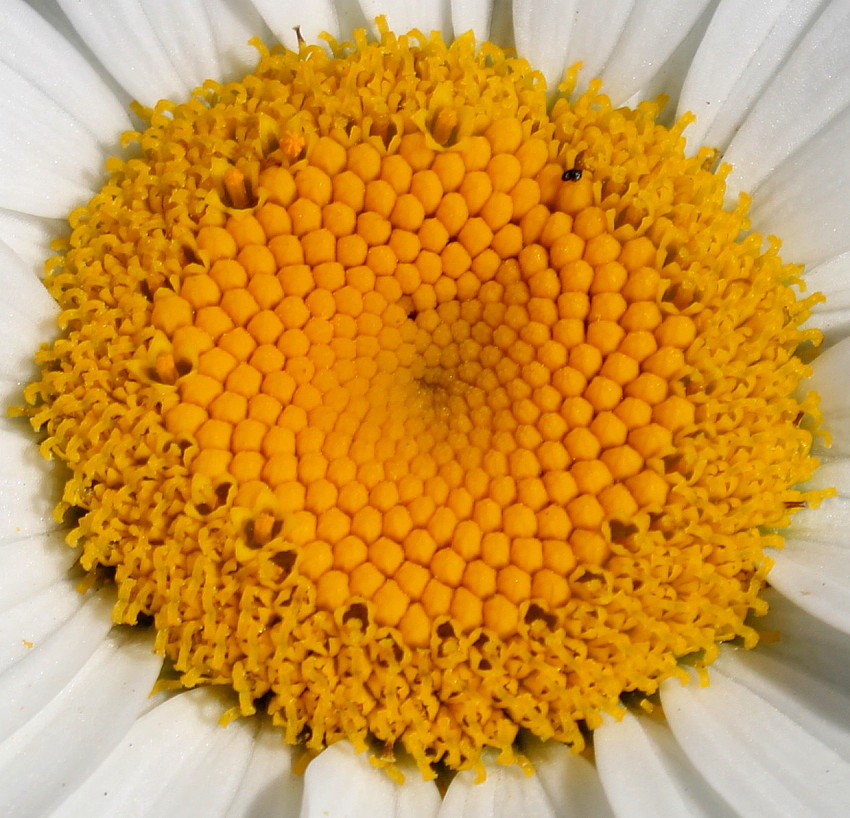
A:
{"x":646,"y":775}
{"x":269,"y":788}
{"x":570,"y":781}
{"x":507,"y":792}
{"x":50,"y":663}
{"x":807,"y":93}
{"x":743,"y":48}
{"x":813,"y":569}
{"x":472,"y":15}
{"x":762,"y":760}
{"x":341,"y":783}
{"x":404,"y":15}
{"x":336,"y":19}
{"x":39,"y":766}
{"x":175,"y":760}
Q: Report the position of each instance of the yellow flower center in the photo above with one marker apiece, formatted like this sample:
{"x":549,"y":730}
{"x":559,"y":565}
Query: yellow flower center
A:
{"x":418,"y":411}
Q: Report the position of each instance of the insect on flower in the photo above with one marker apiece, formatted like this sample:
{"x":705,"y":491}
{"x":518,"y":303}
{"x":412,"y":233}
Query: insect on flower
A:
{"x":574,"y":173}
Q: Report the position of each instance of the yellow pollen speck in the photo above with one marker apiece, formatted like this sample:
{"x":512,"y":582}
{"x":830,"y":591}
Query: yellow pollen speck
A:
{"x":416,"y":410}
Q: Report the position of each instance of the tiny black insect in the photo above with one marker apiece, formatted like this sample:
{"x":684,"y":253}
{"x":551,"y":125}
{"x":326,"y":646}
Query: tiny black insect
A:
{"x":574,"y":173}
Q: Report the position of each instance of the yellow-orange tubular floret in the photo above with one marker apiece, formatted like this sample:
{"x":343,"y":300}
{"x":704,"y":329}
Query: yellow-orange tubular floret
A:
{"x":389,"y":422}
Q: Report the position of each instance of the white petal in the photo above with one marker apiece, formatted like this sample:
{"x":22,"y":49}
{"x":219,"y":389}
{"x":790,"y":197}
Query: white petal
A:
{"x":472,"y":15}
{"x":828,"y":378}
{"x":742,"y":49}
{"x":282,"y":18}
{"x":37,"y":141}
{"x":29,"y":484}
{"x":234,"y":23}
{"x":651,"y":38}
{"x":27,"y":318}
{"x":832,"y":279}
{"x":646,"y":775}
{"x":597,"y":26}
{"x":667,"y":80}
{"x":154,"y":50}
{"x":825,"y":523}
{"x":269,"y":788}
{"x":30,"y":621}
{"x":175,"y":760}
{"x":813,"y":569}
{"x":341,"y":783}
{"x":570,"y":781}
{"x":760,"y":759}
{"x":29,"y":237}
{"x":507,"y":792}
{"x":816,"y":576}
{"x":32,"y":48}
{"x":50,"y":12}
{"x":404,"y":15}
{"x":204,"y":780}
{"x":30,"y":684}
{"x":58,"y":748}
{"x":502,"y":24}
{"x":805,"y":201}
{"x":808,"y":91}
{"x":804,"y":640}
{"x":27,"y":298}
{"x":339,"y":19}
{"x":54,"y":108}
{"x":542,"y":32}
{"x":32,"y":564}
{"x":821,"y":708}
{"x":416,"y":796}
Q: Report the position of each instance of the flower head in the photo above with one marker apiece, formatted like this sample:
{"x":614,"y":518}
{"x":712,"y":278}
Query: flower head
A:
{"x":622,"y":243}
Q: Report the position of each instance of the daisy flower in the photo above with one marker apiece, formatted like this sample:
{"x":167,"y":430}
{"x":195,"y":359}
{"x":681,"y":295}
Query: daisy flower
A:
{"x":516,"y":281}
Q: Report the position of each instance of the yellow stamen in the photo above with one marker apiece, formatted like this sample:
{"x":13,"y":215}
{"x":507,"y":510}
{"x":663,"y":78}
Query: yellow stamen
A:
{"x":452,"y":416}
